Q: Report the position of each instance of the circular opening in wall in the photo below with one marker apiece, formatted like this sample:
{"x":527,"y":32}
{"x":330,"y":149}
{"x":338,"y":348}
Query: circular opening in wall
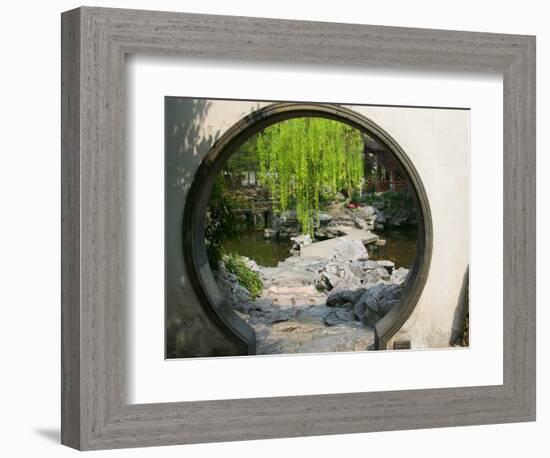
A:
{"x":307,"y":220}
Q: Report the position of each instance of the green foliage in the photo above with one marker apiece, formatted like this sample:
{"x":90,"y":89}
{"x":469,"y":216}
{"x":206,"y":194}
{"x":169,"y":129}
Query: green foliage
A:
{"x":356,"y":196}
{"x":389,"y":199}
{"x":221,"y":223}
{"x":368,"y":198}
{"x":247,"y":278}
{"x":305,"y":160}
{"x":245,"y":158}
{"x":398,"y":199}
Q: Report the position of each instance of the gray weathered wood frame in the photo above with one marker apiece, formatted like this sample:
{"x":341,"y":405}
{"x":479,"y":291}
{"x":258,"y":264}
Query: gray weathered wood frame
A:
{"x":95,"y":413}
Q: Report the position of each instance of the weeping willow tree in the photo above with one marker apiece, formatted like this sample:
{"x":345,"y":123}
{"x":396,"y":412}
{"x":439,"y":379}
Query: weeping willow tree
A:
{"x":303,"y":161}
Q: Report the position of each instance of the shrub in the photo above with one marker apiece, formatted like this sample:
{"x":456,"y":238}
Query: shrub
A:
{"x":246,"y":277}
{"x":221,"y":222}
{"x":389,"y":199}
{"x":398,"y":199}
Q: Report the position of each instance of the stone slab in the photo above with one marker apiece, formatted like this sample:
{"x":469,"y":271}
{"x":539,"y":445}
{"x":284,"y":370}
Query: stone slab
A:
{"x":325,"y":248}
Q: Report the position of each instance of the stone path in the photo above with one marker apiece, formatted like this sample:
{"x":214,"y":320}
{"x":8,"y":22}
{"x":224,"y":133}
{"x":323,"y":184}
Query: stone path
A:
{"x":325,"y":248}
{"x":295,"y":320}
{"x":315,"y":305}
{"x":296,"y":314}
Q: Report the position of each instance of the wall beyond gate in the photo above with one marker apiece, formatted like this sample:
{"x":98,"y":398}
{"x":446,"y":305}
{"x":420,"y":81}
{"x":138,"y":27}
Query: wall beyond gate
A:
{"x":436,"y":140}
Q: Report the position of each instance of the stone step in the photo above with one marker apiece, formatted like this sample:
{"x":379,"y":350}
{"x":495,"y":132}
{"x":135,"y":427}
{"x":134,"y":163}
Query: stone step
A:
{"x":325,"y":248}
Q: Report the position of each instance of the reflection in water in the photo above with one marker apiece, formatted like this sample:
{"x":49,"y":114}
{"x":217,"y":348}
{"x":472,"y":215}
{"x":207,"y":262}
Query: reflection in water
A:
{"x":266,"y":252}
{"x":400,"y":247}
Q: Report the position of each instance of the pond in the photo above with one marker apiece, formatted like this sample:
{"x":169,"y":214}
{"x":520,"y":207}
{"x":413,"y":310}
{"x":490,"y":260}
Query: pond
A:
{"x":400,"y":247}
{"x":253,"y":245}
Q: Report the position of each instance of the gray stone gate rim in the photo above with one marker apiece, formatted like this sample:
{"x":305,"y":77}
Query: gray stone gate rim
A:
{"x":201,"y":277}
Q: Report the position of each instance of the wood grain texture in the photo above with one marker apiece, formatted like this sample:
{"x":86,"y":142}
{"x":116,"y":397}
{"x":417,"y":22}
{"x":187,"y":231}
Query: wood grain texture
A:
{"x":70,"y":229}
{"x":96,"y":414}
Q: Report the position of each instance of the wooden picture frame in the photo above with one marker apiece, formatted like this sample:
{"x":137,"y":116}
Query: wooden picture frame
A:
{"x":95,"y":412}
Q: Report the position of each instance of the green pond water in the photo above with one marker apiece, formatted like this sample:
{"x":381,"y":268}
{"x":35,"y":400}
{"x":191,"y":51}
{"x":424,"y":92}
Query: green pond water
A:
{"x":266,"y":252}
{"x":400,"y":247}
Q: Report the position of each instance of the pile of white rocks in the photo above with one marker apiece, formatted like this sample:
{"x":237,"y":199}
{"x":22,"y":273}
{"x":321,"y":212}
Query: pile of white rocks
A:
{"x":341,"y":282}
{"x":327,"y":224}
{"x":315,"y":304}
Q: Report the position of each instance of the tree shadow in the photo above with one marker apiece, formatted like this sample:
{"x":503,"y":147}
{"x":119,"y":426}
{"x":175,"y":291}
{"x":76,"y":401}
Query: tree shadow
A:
{"x":188,"y":139}
{"x":459,"y":318}
{"x":184,"y":118}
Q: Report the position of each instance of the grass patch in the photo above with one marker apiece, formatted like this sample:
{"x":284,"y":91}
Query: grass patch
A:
{"x":246,"y":277}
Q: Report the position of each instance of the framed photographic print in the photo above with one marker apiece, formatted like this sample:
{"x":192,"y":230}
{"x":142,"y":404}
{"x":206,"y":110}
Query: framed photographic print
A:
{"x":285,"y":228}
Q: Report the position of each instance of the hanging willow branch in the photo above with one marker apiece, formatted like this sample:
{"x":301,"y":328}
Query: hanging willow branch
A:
{"x":306,"y":160}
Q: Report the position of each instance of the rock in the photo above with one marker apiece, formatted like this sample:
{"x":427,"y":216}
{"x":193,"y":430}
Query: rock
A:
{"x":301,"y":240}
{"x":324,"y":217}
{"x":288,"y":215}
{"x":374,"y":276}
{"x":309,"y":263}
{"x":251,"y":264}
{"x":287,"y":231}
{"x":358,"y":340}
{"x":368,"y":212}
{"x":380,"y":217}
{"x":350,"y":250}
{"x":361,"y":223}
{"x":294,"y":278}
{"x":332,"y":281}
{"x":357,"y":269}
{"x":380,"y":242}
{"x":388,"y":265}
{"x":361,"y":270}
{"x":295,"y":271}
{"x":332,"y":268}
{"x":364,"y":265}
{"x":343,"y":297}
{"x":245,"y":308}
{"x":313,"y":314}
{"x":339,"y":316}
{"x":333,"y":299}
{"x":241,"y":294}
{"x":376,"y":302}
{"x":399,"y":276}
{"x":339,"y":275}
{"x":363,"y":217}
{"x":269,"y":274}
{"x":342,"y":220}
{"x":320,"y":234}
{"x":238,"y":296}
{"x":270,"y":233}
{"x":371,"y":272}
{"x":263,"y":304}
{"x":289,"y":297}
{"x":313,"y":304}
{"x":333,"y":232}
{"x":270,"y":314}
{"x":312,"y":264}
{"x":349,"y":296}
{"x":287,"y":225}
{"x":339,"y":197}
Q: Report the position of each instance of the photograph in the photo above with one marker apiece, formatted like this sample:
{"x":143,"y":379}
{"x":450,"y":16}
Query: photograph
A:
{"x":274,"y":229}
{"x":313,"y":223}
